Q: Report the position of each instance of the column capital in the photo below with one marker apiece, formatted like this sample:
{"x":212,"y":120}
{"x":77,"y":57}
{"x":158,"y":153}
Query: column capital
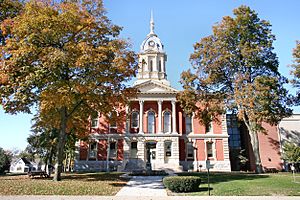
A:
{"x":173,"y":102}
{"x":160,"y":101}
{"x":141,"y":102}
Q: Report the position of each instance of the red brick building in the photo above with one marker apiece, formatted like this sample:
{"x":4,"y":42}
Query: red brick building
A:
{"x":155,"y":132}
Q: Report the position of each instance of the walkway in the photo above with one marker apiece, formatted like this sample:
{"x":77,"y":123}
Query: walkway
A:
{"x":144,"y":186}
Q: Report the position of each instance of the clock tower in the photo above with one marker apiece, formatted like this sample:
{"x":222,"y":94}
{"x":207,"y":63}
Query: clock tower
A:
{"x":152,"y":59}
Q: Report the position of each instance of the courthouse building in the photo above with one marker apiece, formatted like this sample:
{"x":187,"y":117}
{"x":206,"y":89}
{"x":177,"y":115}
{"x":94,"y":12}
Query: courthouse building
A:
{"x":155,"y":132}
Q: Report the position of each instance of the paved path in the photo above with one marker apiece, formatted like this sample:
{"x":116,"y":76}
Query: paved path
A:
{"x":133,"y":197}
{"x":144,"y":186}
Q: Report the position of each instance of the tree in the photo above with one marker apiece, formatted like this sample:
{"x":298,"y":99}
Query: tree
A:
{"x":66,"y":59}
{"x":9,"y":9}
{"x":235,"y":69}
{"x":291,"y":153}
{"x":5,"y":159}
{"x":296,"y":71}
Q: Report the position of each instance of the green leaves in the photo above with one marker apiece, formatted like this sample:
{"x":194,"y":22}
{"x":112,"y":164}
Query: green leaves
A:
{"x":291,"y":152}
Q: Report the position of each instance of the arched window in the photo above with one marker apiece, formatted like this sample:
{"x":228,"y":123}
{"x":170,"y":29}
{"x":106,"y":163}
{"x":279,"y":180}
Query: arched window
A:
{"x":167,"y":122}
{"x":151,"y":122}
{"x":134,"y":119}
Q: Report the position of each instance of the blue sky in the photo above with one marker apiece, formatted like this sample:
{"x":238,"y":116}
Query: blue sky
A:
{"x":179,"y":24}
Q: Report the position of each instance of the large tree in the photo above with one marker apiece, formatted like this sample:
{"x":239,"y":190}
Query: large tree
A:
{"x":236,"y":69}
{"x":65,"y":58}
{"x":296,"y":72}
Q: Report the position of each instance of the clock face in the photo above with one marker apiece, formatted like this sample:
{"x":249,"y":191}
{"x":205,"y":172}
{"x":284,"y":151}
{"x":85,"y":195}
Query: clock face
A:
{"x":151,"y":43}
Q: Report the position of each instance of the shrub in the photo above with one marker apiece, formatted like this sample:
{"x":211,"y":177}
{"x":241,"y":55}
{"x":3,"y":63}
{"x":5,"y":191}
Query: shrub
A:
{"x":182,"y":183}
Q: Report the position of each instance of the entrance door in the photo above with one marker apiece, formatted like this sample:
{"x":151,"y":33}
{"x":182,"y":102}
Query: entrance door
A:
{"x":150,"y":154}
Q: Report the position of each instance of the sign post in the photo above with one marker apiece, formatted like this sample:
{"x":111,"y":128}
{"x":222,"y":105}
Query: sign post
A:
{"x":208,"y":167}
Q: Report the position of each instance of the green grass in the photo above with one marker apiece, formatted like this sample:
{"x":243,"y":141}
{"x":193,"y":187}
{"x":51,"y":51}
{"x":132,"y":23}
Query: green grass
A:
{"x":71,"y":184}
{"x":243,"y":184}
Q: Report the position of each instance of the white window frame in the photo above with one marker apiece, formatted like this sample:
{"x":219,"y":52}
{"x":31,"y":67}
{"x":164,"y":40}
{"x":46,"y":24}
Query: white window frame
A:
{"x":113,"y":155}
{"x":191,"y":124}
{"x":94,"y":154}
{"x":93,"y":120}
{"x":153,"y":125}
{"x":110,"y":125}
{"x":213,"y":149}
{"x":132,"y":120}
{"x":170,"y":121}
{"x":210,"y":128}
{"x":187,"y":150}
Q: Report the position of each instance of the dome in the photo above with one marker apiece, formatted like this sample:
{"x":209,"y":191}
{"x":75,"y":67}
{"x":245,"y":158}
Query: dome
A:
{"x":152,"y":43}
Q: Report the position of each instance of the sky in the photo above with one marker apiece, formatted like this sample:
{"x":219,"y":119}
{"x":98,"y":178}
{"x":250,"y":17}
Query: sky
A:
{"x":179,"y":25}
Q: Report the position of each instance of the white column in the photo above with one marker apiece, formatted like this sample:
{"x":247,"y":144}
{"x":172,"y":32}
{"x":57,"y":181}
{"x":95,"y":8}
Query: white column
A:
{"x":174,"y":116}
{"x":159,"y":102}
{"x":127,"y":123}
{"x":141,"y":127}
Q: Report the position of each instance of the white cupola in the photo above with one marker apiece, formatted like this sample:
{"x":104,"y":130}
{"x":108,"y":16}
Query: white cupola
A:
{"x":152,"y":59}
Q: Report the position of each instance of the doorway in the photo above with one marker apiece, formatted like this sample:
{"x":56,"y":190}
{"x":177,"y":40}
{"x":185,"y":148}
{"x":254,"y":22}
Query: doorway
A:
{"x":150,"y":154}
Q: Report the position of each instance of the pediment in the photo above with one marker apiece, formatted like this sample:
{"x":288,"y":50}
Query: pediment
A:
{"x":155,"y":87}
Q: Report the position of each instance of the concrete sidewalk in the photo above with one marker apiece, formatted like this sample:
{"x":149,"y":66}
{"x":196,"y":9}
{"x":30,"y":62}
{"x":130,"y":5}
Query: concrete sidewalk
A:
{"x":144,"y":186}
{"x":133,"y":197}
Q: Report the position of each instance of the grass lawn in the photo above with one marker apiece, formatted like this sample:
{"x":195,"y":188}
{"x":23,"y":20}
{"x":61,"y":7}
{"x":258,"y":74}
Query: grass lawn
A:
{"x":72,"y":184}
{"x":243,"y":184}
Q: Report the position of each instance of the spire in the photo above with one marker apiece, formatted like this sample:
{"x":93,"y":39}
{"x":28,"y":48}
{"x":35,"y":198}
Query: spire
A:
{"x":151,"y":24}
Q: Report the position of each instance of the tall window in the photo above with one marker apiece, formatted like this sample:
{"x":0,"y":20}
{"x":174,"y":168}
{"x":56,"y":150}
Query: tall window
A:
{"x":93,"y":150}
{"x":188,"y":124}
{"x":167,"y":122}
{"x":209,"y":149}
{"x":134,"y":119}
{"x":190,"y":150}
{"x":133,"y":150}
{"x":151,"y":65}
{"x":209,"y":128}
{"x":112,"y":151}
{"x":94,"y":122}
{"x":113,"y":120}
{"x":159,"y":66}
{"x":151,"y":122}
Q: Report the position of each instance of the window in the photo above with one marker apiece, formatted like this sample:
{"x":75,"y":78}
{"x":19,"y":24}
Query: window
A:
{"x":209,"y":128}
{"x":134,"y":120}
{"x":151,"y":65}
{"x":188,"y":125}
{"x":168,"y":148}
{"x":133,"y":150}
{"x":167,"y":122}
{"x":151,"y":122}
{"x":209,"y":149}
{"x":113,"y":120}
{"x":190,"y":150}
{"x":94,"y":122}
{"x":159,"y":66}
{"x":112,"y":151}
{"x":234,"y":133}
{"x":93,"y":150}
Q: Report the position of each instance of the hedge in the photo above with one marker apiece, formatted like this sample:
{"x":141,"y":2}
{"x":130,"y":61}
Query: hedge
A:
{"x":182,"y":183}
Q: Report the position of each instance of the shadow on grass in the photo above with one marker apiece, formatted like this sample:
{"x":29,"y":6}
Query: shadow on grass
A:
{"x":204,"y":189}
{"x":218,"y":177}
{"x":94,"y":177}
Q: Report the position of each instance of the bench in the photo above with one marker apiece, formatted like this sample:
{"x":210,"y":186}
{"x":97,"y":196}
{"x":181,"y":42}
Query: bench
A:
{"x":31,"y":174}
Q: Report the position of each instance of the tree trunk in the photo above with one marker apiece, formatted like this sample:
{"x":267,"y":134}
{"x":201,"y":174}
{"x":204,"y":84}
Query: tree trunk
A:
{"x":255,"y":147}
{"x":61,"y":144}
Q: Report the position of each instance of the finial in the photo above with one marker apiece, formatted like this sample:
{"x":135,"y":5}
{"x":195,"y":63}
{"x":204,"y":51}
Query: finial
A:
{"x":151,"y":24}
